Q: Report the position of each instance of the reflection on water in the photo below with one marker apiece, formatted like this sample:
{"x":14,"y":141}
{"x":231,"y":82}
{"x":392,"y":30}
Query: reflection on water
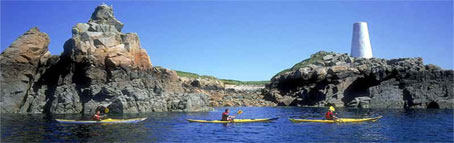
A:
{"x":397,"y":125}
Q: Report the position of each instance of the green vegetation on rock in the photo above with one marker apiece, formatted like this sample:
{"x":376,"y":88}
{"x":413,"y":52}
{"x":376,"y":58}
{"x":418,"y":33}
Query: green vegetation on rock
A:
{"x":317,"y":57}
{"x":225,"y":81}
{"x":193,"y":75}
{"x":237,"y":82}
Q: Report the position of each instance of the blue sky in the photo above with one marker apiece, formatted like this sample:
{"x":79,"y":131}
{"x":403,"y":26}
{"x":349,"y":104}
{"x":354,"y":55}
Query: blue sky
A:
{"x":249,"y":40}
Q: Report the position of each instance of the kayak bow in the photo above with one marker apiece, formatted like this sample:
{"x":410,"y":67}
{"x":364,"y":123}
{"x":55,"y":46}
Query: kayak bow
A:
{"x":234,"y":121}
{"x":340,"y":120}
{"x":109,"y":120}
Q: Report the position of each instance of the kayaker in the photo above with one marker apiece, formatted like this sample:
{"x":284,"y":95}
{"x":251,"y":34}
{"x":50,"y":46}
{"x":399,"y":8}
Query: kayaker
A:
{"x":97,"y":116}
{"x":226,"y":116}
{"x":330,"y":115}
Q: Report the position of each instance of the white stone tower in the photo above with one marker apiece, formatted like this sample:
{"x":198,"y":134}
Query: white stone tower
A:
{"x":360,"y":41}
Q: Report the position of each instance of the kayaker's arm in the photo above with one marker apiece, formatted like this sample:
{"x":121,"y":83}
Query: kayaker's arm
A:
{"x":336,"y":115}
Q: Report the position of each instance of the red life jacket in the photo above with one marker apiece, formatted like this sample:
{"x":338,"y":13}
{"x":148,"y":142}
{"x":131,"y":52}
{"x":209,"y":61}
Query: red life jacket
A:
{"x":329,"y":115}
{"x":225,"y":116}
{"x":96,"y":117}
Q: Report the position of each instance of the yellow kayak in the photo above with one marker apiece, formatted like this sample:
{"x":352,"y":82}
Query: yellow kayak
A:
{"x":340,"y":120}
{"x":109,"y":120}
{"x":234,"y":121}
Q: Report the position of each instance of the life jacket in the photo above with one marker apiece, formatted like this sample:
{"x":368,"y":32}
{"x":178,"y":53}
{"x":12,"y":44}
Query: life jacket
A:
{"x":96,"y":117}
{"x":225,"y":116}
{"x":329,"y":115}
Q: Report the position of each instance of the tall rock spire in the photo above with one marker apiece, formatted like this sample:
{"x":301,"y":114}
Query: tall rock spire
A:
{"x":360,"y":42}
{"x":101,"y":42}
{"x":103,"y":14}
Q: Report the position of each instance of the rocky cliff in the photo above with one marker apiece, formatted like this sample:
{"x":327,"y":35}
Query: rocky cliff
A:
{"x":100,"y":66}
{"x":337,"y":79}
{"x":21,"y":67}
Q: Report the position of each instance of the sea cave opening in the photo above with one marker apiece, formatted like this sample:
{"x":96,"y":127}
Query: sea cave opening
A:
{"x":433,"y":105}
{"x":359,"y":88}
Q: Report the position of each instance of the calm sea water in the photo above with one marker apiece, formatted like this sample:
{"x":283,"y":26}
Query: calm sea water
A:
{"x":422,"y":125}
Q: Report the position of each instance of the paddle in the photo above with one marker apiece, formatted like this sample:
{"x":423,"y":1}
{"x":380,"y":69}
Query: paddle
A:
{"x":337,"y":114}
{"x":239,"y":112}
{"x":106,"y":110}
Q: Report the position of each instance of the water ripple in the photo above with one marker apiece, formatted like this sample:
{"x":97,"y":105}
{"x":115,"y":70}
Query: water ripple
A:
{"x":419,"y":125}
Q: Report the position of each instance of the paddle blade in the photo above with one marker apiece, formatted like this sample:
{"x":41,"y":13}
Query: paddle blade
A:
{"x":106,"y":110}
{"x":240,"y":112}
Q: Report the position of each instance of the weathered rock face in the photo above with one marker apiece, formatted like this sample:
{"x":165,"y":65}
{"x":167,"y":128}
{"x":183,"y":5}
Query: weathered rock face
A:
{"x":242,"y":95}
{"x":21,"y":66}
{"x":337,"y":79}
{"x":226,"y":95}
{"x":104,"y":15}
{"x":202,"y":83}
{"x":101,"y":42}
{"x":100,"y":66}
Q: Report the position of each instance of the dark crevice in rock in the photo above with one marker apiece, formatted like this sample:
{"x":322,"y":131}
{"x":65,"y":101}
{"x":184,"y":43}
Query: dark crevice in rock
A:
{"x":50,"y":92}
{"x":108,"y":67}
{"x":56,"y":71}
{"x":447,"y":92}
{"x":27,"y":92}
{"x":433,"y":105}
{"x":408,"y":99}
{"x":80,"y":77}
{"x":315,"y":95}
{"x":82,"y":82}
{"x":84,"y":96}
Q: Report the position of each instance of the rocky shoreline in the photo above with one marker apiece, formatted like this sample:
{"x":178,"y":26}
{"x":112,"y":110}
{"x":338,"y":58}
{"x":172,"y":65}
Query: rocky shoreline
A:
{"x":337,"y":79}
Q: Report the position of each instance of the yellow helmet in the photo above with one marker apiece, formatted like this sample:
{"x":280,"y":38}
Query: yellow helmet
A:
{"x":331,"y":108}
